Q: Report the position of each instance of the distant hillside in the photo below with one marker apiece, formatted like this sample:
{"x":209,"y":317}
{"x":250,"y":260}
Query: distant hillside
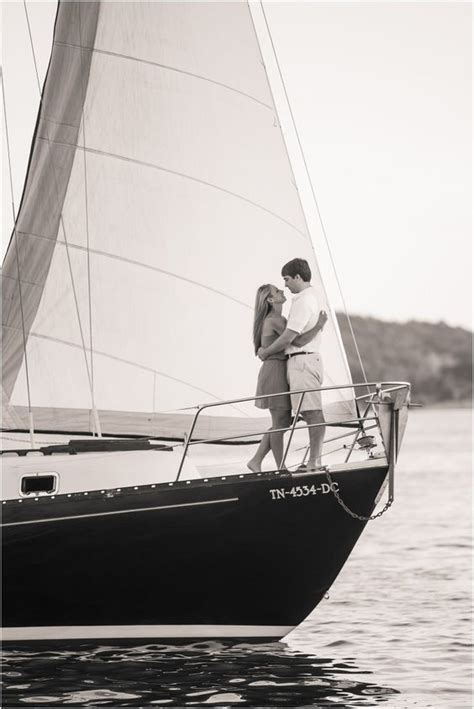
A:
{"x":435,"y":358}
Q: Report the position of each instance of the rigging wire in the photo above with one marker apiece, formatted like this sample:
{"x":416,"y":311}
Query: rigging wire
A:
{"x":61,"y":220}
{"x":86,"y":190}
{"x":17,"y":253}
{"x":313,"y":192}
{"x":278,"y":124}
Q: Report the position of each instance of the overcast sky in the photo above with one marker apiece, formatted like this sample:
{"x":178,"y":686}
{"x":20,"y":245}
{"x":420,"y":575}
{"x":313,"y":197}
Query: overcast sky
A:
{"x":381,"y":94}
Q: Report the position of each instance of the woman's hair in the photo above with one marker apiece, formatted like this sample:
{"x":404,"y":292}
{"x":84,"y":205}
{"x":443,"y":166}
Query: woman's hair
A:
{"x":262,"y":308}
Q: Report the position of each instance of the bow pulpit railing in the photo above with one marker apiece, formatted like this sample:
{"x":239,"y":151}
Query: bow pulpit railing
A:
{"x":384,"y":407}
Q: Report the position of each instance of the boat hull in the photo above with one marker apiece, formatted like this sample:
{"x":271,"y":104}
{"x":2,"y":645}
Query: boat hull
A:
{"x":237,"y":557}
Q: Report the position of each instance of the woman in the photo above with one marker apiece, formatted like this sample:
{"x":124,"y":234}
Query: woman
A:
{"x":268,"y":324}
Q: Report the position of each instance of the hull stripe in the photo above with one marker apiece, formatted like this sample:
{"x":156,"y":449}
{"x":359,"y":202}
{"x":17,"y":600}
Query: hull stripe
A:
{"x":73,"y":632}
{"x":121,"y":512}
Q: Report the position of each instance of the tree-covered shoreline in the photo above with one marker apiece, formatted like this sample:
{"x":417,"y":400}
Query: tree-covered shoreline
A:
{"x":436,"y":358}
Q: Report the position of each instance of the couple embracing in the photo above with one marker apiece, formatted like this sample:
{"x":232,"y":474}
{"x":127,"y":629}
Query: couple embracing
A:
{"x":291,"y":360}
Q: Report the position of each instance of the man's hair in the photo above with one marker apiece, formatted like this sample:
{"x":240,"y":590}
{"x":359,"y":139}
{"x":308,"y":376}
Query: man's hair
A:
{"x":297,"y":266}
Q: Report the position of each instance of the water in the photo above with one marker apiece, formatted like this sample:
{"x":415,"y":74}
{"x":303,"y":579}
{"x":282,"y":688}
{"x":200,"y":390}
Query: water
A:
{"x":395,"y":630}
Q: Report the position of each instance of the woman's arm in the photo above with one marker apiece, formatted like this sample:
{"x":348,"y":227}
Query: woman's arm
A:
{"x":290,"y":337}
{"x":305,"y":337}
{"x":272,"y":325}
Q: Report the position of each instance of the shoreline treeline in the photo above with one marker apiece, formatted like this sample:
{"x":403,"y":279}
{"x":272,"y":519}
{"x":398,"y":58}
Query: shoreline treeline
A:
{"x":434,"y":357}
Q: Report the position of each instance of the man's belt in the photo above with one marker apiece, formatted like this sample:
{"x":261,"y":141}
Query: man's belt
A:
{"x":295,"y":354}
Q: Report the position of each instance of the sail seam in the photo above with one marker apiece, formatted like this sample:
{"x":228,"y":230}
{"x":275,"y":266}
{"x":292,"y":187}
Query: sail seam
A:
{"x":148,"y":62}
{"x":163,"y":271}
{"x":154,"y":166}
{"x":131,"y":364}
{"x":23,"y":280}
{"x":140,"y":264}
{"x":63,"y":124}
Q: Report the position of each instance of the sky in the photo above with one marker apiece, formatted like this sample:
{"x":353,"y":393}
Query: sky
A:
{"x":381,"y":97}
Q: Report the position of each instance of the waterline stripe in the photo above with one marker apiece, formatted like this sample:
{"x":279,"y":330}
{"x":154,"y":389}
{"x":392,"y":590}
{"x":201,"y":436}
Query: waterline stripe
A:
{"x":121,"y":512}
{"x":73,"y":632}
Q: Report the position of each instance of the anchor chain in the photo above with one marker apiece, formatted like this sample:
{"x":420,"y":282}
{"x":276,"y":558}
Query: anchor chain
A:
{"x":362,"y":518}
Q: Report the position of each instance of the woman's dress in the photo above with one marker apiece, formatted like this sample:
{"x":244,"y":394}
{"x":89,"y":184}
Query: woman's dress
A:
{"x":272,"y":379}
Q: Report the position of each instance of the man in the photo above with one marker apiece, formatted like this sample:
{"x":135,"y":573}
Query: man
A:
{"x":305,"y":370}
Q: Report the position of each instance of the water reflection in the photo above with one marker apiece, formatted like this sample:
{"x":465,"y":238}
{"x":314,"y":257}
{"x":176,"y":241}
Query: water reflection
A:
{"x":195,"y":674}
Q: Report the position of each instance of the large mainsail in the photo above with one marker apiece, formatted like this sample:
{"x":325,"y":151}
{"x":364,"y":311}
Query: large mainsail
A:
{"x":159,"y":196}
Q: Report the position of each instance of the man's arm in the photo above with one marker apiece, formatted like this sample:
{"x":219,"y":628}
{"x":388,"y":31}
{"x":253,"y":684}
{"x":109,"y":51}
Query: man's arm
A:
{"x":306,"y":337}
{"x":289,"y":337}
{"x":285,"y":339}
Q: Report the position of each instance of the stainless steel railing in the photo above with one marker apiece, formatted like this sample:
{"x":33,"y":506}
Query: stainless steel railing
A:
{"x":371,"y":398}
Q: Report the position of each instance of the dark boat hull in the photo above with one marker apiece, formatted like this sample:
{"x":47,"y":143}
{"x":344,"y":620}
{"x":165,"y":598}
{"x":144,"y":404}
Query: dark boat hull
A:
{"x":246,"y":556}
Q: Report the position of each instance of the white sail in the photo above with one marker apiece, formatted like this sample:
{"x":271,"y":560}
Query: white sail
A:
{"x":159,"y":196}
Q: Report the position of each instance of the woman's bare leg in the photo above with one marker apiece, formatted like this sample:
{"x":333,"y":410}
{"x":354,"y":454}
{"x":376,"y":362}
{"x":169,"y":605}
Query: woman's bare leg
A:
{"x":255,"y":463}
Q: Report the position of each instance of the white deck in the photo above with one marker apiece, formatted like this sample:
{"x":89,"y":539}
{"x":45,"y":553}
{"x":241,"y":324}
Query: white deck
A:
{"x":105,"y":470}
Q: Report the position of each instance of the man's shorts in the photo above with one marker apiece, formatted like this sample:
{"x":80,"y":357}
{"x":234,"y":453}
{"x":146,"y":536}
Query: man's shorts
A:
{"x":305,"y":371}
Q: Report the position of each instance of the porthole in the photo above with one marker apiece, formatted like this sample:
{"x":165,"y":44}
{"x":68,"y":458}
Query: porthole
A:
{"x":34,"y":485}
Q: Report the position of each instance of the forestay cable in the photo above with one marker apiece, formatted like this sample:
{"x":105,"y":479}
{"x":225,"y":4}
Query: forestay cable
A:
{"x":94,"y":409}
{"x":313,"y":193}
{"x":15,"y":238}
{"x":278,"y":123}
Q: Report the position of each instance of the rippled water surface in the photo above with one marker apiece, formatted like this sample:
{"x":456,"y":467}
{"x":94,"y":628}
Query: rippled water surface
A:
{"x":395,"y":630}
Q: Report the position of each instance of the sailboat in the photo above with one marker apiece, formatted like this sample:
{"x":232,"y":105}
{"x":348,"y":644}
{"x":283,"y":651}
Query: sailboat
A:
{"x":159,"y":195}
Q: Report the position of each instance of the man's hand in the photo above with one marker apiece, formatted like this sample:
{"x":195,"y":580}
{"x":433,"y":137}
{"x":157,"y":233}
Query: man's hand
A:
{"x":261,"y":353}
{"x":322,"y":319}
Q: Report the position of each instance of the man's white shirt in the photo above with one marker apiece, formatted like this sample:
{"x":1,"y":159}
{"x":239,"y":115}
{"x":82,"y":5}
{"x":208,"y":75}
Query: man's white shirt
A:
{"x":304,"y":313}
